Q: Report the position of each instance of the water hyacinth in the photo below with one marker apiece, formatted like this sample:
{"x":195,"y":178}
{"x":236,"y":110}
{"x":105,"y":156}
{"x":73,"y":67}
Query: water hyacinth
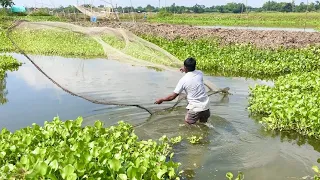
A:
{"x":90,"y":152}
{"x":292,"y":104}
{"x":57,"y":42}
{"x":241,"y":59}
{"x":8,"y":63}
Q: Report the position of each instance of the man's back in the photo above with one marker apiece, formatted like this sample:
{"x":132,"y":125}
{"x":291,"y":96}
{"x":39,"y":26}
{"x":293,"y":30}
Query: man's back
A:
{"x":192,"y":84}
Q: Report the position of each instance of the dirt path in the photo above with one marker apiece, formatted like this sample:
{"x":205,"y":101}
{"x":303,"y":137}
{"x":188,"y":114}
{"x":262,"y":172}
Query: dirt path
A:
{"x":267,"y":38}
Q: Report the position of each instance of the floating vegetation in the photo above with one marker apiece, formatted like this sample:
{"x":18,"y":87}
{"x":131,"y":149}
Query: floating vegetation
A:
{"x":276,"y":19}
{"x":57,"y":42}
{"x":138,"y":50}
{"x":5,"y":43}
{"x":90,"y":152}
{"x":292,"y":104}
{"x":8,"y":63}
{"x":114,"y":41}
{"x":242,"y":59}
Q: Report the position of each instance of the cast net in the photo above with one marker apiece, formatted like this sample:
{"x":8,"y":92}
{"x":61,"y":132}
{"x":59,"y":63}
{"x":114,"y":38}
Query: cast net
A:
{"x":125,"y":74}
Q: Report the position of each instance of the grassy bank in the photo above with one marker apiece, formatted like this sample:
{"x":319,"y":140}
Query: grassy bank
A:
{"x":296,"y":20}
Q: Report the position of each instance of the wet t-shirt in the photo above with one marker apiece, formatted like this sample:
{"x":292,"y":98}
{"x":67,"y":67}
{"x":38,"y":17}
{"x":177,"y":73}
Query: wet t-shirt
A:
{"x":192,"y":84}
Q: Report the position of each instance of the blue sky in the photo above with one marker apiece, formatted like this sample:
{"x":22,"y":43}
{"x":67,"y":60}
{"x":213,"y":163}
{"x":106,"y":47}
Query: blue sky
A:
{"x":56,"y":3}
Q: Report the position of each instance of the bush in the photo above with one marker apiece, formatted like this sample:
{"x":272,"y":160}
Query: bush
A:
{"x":40,"y":13}
{"x":164,"y":13}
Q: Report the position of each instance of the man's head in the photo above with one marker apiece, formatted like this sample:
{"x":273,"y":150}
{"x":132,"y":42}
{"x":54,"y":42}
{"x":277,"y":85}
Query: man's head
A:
{"x":190,"y":64}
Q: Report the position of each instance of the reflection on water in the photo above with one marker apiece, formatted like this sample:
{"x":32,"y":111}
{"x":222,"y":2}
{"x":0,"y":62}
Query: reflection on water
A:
{"x":3,"y":91}
{"x":232,"y":141}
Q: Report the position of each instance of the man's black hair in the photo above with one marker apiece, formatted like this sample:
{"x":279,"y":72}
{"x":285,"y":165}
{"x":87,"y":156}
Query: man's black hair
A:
{"x":190,"y":63}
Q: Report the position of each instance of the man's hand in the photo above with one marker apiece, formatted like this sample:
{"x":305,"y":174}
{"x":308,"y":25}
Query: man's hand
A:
{"x":182,"y":70}
{"x":159,"y":101}
{"x":171,"y":97}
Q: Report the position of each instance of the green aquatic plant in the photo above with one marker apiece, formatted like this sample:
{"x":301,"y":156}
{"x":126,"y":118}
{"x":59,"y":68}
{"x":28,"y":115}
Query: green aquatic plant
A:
{"x":275,"y":19}
{"x":55,"y":42}
{"x":66,"y":150}
{"x":8,"y":63}
{"x":230,"y":176}
{"x":5,"y":43}
{"x":292,"y":104}
{"x":241,"y":60}
{"x":195,"y":139}
{"x":317,"y":171}
{"x":137,"y":50}
{"x":114,"y":41}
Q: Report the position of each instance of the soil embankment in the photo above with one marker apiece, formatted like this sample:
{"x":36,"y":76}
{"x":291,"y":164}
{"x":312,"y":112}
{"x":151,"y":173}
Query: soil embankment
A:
{"x":263,"y":38}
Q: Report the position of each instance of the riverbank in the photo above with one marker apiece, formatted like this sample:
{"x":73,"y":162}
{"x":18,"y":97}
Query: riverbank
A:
{"x":263,"y":39}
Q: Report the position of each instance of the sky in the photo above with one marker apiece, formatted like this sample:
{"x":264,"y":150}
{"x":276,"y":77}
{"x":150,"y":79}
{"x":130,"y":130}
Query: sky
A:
{"x":136,"y":3}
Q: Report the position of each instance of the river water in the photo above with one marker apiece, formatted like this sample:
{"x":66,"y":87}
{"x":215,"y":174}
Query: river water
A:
{"x":232,"y":141}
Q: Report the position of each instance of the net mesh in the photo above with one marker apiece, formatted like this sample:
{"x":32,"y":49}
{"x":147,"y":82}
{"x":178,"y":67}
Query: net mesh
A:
{"x":98,"y":81}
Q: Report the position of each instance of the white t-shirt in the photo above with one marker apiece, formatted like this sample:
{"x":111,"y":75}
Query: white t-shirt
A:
{"x":192,"y":84}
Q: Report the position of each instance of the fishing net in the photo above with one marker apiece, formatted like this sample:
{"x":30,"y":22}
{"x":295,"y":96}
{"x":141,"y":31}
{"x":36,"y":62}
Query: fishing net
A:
{"x":122,"y":78}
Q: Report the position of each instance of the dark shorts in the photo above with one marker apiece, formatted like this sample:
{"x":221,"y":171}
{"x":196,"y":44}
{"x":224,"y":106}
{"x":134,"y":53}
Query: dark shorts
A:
{"x":193,"y":117}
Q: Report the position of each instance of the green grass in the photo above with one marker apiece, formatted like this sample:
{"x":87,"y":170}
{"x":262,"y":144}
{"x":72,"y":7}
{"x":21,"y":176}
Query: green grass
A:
{"x":295,"y":20}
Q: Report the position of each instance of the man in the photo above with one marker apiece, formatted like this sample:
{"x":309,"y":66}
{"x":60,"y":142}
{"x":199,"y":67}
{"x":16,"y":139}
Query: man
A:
{"x":192,"y":84}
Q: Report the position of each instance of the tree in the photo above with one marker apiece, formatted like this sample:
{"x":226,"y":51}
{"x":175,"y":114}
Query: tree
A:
{"x":150,"y":8}
{"x":6,"y":3}
{"x":317,"y":6}
{"x":286,"y":7}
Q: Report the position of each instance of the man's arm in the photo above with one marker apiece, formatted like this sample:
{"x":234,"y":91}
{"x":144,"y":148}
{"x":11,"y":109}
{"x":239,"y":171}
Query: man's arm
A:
{"x":170,"y":97}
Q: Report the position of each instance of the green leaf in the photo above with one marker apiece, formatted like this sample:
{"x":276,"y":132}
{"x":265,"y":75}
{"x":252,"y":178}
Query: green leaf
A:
{"x":2,"y":154}
{"x":98,"y":124}
{"x":131,"y":172}
{"x":24,"y":160}
{"x":43,"y":167}
{"x":54,"y":164}
{"x":72,"y":176}
{"x":13,"y":148}
{"x":52,"y":177}
{"x":316,"y":169}
{"x":67,"y":171}
{"x":122,"y":177}
{"x":36,"y":151}
{"x":229,"y":175}
{"x":160,"y":173}
{"x":68,"y":124}
{"x":114,"y":164}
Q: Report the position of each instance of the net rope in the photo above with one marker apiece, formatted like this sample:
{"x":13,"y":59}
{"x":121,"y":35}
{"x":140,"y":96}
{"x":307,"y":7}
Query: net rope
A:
{"x":149,"y":55}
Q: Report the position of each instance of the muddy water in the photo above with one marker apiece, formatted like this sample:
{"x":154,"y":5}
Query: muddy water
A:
{"x":232,"y":141}
{"x":263,"y":28}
